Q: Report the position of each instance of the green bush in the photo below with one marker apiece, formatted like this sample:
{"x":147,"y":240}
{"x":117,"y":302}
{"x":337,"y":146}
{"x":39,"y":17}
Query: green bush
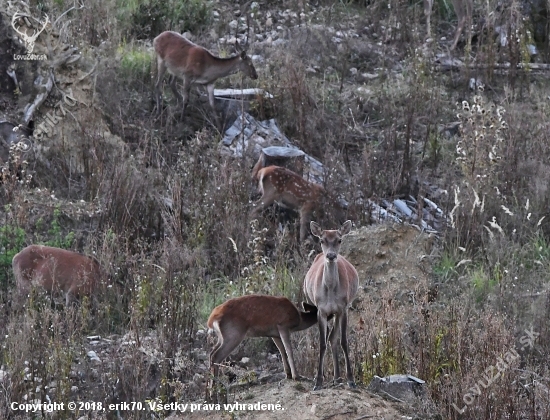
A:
{"x":135,"y":63}
{"x":57,"y":238}
{"x":12,"y":239}
{"x":148,"y":18}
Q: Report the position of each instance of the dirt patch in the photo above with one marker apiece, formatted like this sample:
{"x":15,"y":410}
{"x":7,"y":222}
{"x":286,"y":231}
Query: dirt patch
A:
{"x":392,"y":260}
{"x":298,"y":403}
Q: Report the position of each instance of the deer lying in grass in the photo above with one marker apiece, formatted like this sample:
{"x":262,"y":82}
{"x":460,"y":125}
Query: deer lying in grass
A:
{"x":56,"y":269}
{"x":258,"y":316}
{"x":288,"y":189}
{"x":331,"y":284}
{"x":194,"y":64}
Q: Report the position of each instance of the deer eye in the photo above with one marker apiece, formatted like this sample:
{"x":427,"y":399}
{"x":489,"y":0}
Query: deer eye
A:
{"x":339,"y":241}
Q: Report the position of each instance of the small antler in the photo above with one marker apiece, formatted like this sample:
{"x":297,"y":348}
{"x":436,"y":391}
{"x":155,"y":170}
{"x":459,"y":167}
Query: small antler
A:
{"x":28,"y":40}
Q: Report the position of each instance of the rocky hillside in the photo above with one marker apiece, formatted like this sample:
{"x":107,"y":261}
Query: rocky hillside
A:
{"x":437,"y":154}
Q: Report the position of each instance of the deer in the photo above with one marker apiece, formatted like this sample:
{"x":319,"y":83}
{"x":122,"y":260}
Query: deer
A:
{"x":195,"y":65}
{"x":56,"y":270}
{"x":331,"y":284}
{"x":288,"y":189}
{"x":258,"y":316}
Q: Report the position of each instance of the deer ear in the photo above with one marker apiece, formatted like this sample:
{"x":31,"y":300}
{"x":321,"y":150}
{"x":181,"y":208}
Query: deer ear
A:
{"x":345,"y":228}
{"x":315,"y":229}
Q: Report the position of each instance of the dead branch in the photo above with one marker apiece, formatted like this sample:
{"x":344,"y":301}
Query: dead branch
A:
{"x":66,"y":57}
{"x":90,"y":72}
{"x":11,"y":73}
{"x":45,"y":89}
{"x":81,"y":6}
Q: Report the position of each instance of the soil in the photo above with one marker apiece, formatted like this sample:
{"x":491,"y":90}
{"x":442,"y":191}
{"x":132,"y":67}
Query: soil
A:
{"x":297,"y":402}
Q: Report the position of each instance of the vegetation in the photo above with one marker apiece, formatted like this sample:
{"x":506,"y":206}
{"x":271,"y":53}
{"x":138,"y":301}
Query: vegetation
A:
{"x":354,"y":84}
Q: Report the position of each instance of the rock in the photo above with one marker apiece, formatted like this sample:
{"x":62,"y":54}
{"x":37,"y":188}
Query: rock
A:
{"x":370,"y":76}
{"x":94,"y":337}
{"x":404,"y":388}
{"x":93,"y":356}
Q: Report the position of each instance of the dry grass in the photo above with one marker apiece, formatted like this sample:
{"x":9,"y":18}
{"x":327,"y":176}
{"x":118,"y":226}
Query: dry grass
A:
{"x":167,"y":217}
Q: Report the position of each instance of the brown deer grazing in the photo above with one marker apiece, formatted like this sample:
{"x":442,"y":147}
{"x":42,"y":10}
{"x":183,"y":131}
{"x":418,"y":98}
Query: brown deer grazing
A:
{"x":288,"y":189}
{"x":258,"y":316}
{"x":56,"y":269}
{"x":194,"y":64}
{"x":331,"y":284}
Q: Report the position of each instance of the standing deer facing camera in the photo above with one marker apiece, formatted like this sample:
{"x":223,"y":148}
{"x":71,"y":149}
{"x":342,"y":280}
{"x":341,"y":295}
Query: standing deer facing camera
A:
{"x":258,"y":316}
{"x":56,"y":269}
{"x":331,"y":284}
{"x":194,"y":64}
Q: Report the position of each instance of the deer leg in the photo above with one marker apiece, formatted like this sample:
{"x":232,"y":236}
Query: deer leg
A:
{"x":223,"y":349}
{"x":174,"y":87}
{"x":161,"y":69}
{"x":267,"y":199}
{"x":211,"y":100}
{"x":323,"y":324}
{"x":210,"y":90}
{"x":215,"y":350}
{"x":333,"y":338}
{"x":185,"y":97}
{"x":220,"y":352}
{"x":260,"y":206}
{"x":286,"y":354}
{"x":345,"y":348}
{"x":214,"y":368}
{"x":23,"y":286}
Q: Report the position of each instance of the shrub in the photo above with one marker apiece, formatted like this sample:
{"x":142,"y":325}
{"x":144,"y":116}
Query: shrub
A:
{"x":135,"y":63}
{"x":148,"y":18}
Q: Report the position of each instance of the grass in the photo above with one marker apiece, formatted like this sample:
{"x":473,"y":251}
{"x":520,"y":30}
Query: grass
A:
{"x":172,"y":230}
{"x":135,"y":62}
